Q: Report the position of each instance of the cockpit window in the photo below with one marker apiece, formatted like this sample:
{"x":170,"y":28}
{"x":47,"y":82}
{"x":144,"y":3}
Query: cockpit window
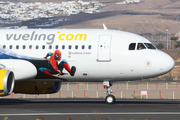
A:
{"x":140,"y":46}
{"x":149,"y":46}
{"x":132,"y":46}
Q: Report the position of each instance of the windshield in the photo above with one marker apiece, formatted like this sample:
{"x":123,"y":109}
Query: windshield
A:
{"x":132,"y":46}
{"x":149,"y":46}
{"x":141,"y":46}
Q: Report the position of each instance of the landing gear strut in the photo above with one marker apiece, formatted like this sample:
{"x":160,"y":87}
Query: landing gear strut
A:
{"x":110,"y":99}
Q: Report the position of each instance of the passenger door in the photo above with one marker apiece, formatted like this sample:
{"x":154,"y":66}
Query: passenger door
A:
{"x":104,"y":48}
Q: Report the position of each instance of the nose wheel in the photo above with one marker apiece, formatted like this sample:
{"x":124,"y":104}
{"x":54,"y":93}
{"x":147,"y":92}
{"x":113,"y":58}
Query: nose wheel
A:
{"x":110,"y":99}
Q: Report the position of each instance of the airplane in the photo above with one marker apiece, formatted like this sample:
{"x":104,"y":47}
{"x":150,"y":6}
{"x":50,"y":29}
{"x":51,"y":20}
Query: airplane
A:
{"x":36,"y":61}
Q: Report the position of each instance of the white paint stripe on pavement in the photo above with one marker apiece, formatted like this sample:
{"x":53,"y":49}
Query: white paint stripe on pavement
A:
{"x":116,"y":113}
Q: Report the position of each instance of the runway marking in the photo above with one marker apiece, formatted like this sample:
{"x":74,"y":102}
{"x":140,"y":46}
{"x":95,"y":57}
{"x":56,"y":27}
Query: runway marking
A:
{"x":116,"y":113}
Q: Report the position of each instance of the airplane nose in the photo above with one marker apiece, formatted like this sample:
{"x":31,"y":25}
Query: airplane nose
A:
{"x":166,"y":63}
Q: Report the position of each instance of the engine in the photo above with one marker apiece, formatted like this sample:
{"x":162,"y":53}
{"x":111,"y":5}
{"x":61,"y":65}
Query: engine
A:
{"x":37,"y":87}
{"x":22,"y":69}
{"x":6,"y":82}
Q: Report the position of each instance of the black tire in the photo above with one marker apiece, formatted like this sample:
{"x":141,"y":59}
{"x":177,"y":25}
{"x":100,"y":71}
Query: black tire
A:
{"x":110,"y":99}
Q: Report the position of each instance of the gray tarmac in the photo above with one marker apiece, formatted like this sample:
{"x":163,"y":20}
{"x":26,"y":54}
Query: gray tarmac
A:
{"x":89,"y":109}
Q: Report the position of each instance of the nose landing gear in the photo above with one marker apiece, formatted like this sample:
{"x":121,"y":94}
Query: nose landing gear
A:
{"x":110,"y":99}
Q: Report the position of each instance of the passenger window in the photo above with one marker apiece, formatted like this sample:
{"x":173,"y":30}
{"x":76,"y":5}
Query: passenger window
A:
{"x":4,"y":46}
{"x":50,"y":47}
{"x":83,"y":47}
{"x":89,"y":46}
{"x":37,"y":47}
{"x":24,"y":47}
{"x":10,"y":47}
{"x":43,"y":47}
{"x":30,"y":47}
{"x":69,"y":46}
{"x":56,"y":47}
{"x":76,"y":47}
{"x":17,"y":46}
{"x":141,"y":46}
{"x":132,"y":46}
{"x":149,"y":46}
{"x":63,"y":47}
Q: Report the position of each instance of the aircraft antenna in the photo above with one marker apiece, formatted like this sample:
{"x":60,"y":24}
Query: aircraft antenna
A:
{"x":104,"y":26}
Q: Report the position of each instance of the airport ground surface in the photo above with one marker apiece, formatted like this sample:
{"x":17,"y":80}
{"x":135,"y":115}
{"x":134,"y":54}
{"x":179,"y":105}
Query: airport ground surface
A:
{"x":89,"y":109}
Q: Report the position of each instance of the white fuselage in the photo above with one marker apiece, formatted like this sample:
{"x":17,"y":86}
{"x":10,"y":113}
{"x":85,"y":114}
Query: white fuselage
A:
{"x":98,"y":55}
